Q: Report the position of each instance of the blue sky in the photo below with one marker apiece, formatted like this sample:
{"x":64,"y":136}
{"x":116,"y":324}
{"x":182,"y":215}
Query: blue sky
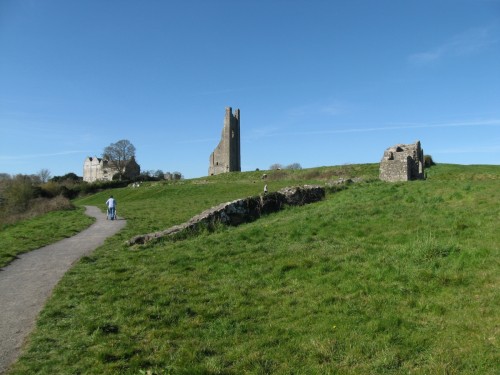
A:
{"x":317,"y":82}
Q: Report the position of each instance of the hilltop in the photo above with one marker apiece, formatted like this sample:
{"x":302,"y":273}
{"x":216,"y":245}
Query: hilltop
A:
{"x":377,"y":278}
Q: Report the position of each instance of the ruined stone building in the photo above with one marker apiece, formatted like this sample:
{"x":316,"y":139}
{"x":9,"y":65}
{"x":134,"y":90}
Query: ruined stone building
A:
{"x":227,"y":156}
{"x":98,"y":169}
{"x":402,"y":163}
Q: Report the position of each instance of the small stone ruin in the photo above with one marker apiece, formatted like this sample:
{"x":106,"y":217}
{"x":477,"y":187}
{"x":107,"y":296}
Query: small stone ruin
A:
{"x":402,"y":163}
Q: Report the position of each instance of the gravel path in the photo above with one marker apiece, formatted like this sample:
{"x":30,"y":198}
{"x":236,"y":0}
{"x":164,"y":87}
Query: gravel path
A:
{"x":27,"y":283}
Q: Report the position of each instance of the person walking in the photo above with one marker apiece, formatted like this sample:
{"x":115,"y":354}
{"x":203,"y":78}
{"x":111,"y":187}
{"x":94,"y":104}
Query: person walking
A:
{"x":111,"y":204}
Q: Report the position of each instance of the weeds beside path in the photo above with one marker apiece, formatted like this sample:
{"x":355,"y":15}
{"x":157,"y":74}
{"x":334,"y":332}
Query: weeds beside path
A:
{"x":27,"y":282}
{"x":45,"y":229}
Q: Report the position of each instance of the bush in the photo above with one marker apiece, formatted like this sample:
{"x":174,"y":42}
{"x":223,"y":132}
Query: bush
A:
{"x":95,"y":187}
{"x":294,"y":166}
{"x":428,"y":162}
{"x":50,"y":189}
{"x":18,"y":192}
{"x":23,"y":196}
{"x":37,"y":206}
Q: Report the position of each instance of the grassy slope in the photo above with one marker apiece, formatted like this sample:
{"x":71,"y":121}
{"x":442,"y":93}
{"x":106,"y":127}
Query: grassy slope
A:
{"x":40,"y":231}
{"x":379,"y":278}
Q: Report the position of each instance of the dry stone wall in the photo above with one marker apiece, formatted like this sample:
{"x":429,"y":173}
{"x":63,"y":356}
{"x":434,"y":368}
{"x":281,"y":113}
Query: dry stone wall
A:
{"x":241,"y":211}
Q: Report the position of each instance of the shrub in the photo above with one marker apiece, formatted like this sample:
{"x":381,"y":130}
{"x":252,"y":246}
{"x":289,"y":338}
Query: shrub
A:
{"x":294,"y":166}
{"x":37,"y":206}
{"x":50,"y":189}
{"x":428,"y":162}
{"x":95,"y":187}
{"x":276,"y":166}
{"x":18,"y":192}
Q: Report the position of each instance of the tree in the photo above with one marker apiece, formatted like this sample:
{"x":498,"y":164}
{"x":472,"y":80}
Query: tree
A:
{"x":177,"y":175}
{"x":159,"y":174}
{"x":44,"y":175}
{"x":118,"y":155}
{"x":5,"y":177}
{"x":428,"y":162}
{"x":18,"y":192}
{"x":276,"y":166}
{"x":294,"y":166}
{"x":71,"y":177}
{"x":132,"y":169}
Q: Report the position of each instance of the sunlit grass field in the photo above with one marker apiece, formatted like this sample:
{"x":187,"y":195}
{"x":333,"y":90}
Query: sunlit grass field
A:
{"x":379,"y":278}
{"x":40,"y":231}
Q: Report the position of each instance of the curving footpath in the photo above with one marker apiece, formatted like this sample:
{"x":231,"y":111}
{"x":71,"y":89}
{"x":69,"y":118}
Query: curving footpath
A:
{"x":27,"y":283}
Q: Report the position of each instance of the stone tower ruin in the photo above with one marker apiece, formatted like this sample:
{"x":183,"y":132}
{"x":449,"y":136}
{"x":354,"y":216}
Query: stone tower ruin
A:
{"x":402,"y":163}
{"x":227,"y":156}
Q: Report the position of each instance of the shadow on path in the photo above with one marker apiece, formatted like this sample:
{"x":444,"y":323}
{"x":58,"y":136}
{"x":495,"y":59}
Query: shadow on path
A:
{"x":27,"y":282}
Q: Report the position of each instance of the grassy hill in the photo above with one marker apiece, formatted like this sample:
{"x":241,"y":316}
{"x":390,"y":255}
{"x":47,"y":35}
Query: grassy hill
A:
{"x":40,"y":231}
{"x":378,"y":278}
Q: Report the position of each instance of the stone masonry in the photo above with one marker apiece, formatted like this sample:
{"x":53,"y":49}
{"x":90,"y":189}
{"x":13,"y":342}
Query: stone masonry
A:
{"x":98,"y":169}
{"x":240,"y":211}
{"x":402,"y":163}
{"x":227,"y":156}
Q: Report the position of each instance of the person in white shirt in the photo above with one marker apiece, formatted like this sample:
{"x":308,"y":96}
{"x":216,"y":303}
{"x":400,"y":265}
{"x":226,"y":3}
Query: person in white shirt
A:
{"x":111,"y":204}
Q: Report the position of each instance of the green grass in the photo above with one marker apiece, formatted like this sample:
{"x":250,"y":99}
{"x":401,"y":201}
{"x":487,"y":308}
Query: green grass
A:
{"x":40,"y":231}
{"x":377,"y":279}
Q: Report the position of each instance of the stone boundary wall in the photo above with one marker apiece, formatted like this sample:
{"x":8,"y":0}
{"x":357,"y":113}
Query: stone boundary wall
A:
{"x":241,"y":211}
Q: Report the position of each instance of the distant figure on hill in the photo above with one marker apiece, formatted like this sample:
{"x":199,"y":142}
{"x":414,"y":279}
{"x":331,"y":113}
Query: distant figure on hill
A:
{"x":265,"y":189}
{"x":111,"y":204}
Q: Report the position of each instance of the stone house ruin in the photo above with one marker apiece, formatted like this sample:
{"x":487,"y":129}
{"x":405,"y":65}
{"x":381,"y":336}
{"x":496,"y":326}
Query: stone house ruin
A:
{"x":402,"y":163}
{"x":227,"y":156}
{"x":98,"y":169}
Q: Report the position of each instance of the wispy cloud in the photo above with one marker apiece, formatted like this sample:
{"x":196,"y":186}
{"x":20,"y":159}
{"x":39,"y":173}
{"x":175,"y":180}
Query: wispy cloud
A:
{"x":221,"y":91}
{"x":35,"y":156}
{"x":489,"y":122}
{"x":482,"y":149}
{"x":264,"y":132}
{"x":467,"y":43}
{"x":331,"y":108}
{"x":217,"y":92}
{"x":199,"y":140}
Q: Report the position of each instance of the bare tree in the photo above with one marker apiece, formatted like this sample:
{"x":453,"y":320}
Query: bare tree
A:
{"x":44,"y":175}
{"x":276,"y":166}
{"x":118,"y":154}
{"x":294,"y":166}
